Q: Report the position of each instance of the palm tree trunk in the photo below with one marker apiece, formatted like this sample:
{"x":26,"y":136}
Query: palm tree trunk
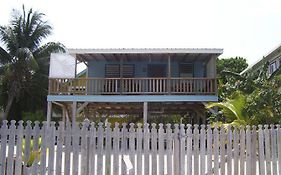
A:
{"x":11,"y":97}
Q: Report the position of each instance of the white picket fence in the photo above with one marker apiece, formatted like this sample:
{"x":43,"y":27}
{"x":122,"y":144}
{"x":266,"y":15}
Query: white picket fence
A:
{"x":153,"y":149}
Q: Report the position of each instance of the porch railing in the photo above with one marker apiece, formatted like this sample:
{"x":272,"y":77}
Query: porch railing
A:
{"x":126,"y":86}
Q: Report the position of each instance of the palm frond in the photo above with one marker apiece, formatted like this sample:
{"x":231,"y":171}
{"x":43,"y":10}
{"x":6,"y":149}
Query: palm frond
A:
{"x":5,"y":57}
{"x":47,"y":49}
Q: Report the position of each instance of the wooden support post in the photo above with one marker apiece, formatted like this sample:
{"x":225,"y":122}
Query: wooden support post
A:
{"x":144,"y":112}
{"x":74,"y":109}
{"x":121,"y":75}
{"x":63,"y":113}
{"x":169,"y":75}
{"x":49,"y":111}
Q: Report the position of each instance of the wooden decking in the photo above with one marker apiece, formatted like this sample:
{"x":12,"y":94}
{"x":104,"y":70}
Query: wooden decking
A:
{"x":132,"y":86}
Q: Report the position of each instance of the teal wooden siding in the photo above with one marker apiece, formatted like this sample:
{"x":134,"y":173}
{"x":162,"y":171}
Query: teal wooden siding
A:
{"x":97,"y":68}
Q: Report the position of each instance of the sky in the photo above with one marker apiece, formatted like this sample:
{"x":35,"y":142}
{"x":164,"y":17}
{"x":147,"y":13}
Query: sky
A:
{"x":246,"y":28}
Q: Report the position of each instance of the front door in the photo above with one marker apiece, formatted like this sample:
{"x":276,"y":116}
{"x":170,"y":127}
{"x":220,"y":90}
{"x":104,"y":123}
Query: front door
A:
{"x":156,"y":70}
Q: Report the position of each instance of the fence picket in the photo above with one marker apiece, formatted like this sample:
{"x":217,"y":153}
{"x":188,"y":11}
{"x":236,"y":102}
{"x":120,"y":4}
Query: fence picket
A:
{"x":100,"y":149}
{"x":248,"y":150}
{"x":161,"y":149}
{"x":154,"y":148}
{"x":222,"y":150}
{"x":11,"y":143}
{"x":279,"y":147}
{"x":229,"y":150}
{"x":209,"y":150}
{"x":27,"y":139}
{"x":43,"y":155}
{"x":267,"y":150}
{"x":202,"y":150}
{"x":132,"y":147}
{"x":92,"y":150}
{"x":139,"y":149}
{"x":242,"y":150}
{"x":182,"y":141}
{"x":146,"y":139}
{"x":108,"y":149}
{"x":124,"y":143}
{"x":18,"y":163}
{"x":169,"y":145}
{"x":84,"y":148}
{"x":68,"y":146}
{"x":196,"y":149}
{"x":36,"y":141}
{"x":60,"y":139}
{"x":254,"y":150}
{"x":273,"y":149}
{"x":261,"y":151}
{"x":4,"y":134}
{"x":189,"y":149}
{"x":235,"y":150}
{"x":176,"y":149}
{"x":51,"y":146}
{"x":216,"y":150}
{"x":116,"y":143}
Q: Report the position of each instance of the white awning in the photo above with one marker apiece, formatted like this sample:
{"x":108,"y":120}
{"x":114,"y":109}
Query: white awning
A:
{"x":62,"y":65}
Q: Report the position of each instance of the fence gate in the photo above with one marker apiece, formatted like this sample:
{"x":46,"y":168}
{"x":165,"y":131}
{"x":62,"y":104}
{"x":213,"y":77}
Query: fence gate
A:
{"x":99,"y":149}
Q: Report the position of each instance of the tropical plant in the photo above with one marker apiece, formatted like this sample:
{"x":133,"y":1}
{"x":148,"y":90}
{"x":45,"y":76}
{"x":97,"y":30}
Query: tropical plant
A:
{"x":23,"y":60}
{"x":259,"y":98}
{"x":233,"y":110}
{"x":34,"y":154}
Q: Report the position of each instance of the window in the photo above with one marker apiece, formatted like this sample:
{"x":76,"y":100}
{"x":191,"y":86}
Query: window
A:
{"x":128,"y":70}
{"x":272,"y":67}
{"x":113,"y":70}
{"x":186,"y":70}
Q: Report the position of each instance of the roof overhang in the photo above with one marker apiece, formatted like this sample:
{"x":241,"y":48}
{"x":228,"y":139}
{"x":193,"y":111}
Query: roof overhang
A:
{"x":146,"y":51}
{"x":184,"y":54}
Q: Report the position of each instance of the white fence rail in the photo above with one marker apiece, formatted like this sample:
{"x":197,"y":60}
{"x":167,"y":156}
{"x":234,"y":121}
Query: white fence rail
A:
{"x":88,"y":148}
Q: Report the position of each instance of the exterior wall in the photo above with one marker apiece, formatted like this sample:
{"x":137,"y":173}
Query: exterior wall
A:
{"x":97,"y":68}
{"x":211,"y":68}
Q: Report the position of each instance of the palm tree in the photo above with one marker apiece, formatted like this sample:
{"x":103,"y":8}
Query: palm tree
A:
{"x":23,"y":58}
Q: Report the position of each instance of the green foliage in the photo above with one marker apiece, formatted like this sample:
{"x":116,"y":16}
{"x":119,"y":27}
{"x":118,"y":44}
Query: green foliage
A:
{"x":228,"y":70}
{"x":172,"y":119}
{"x":34,"y":116}
{"x":34,"y":154}
{"x":24,"y":62}
{"x":261,"y":102}
{"x":237,"y":64}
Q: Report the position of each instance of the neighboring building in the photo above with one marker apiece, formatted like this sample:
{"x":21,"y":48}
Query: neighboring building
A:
{"x":274,"y":60}
{"x":139,"y":82}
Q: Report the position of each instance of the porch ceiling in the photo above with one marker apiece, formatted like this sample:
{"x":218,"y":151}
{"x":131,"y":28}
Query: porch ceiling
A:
{"x":144,"y":54}
{"x":189,"y":57}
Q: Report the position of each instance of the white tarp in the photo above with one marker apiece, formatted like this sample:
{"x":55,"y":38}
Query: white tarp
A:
{"x":62,"y":65}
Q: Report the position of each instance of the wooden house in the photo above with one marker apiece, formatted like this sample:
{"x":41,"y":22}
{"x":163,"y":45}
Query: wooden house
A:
{"x":139,"y":82}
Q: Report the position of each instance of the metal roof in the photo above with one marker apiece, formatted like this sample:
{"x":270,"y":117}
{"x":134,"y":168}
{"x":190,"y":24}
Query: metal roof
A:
{"x":145,"y":50}
{"x":273,"y":54}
